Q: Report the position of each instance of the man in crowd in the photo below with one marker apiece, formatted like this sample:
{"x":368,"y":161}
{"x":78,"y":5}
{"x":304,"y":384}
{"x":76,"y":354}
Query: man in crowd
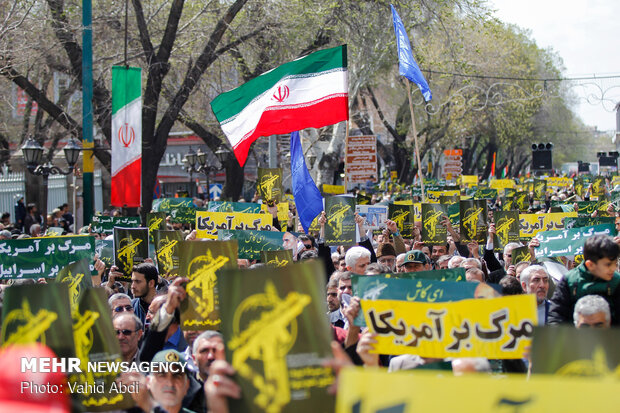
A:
{"x":143,"y":281}
{"x":119,"y":303}
{"x":592,"y":311}
{"x":386,"y":255}
{"x":357,"y":259}
{"x":168,"y":389}
{"x":535,"y":280}
{"x":128,"y":329}
{"x":414,"y":261}
{"x":336,"y":317}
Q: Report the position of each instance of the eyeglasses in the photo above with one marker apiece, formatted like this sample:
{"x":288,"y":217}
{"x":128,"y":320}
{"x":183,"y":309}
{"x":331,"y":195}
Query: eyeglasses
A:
{"x":125,"y":332}
{"x":122,"y":308}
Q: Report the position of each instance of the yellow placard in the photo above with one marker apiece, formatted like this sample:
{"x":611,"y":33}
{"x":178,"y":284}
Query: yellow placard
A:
{"x":207,"y":223}
{"x":375,"y":390}
{"x":333,"y":189}
{"x":532,"y":224}
{"x":433,"y":196}
{"x":468,"y":180}
{"x":404,"y":202}
{"x":502,"y":183}
{"x":558,"y":182}
{"x":417,"y":211}
{"x":495,"y":328}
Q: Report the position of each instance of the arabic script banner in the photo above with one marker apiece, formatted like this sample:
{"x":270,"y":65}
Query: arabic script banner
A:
{"x":208,"y":223}
{"x":251,"y":243}
{"x":496,"y":328}
{"x":532,"y":224}
{"x":569,"y":242}
{"x":43,"y":257}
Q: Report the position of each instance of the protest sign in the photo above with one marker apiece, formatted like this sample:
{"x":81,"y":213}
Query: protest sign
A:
{"x":502,"y":183}
{"x":340,"y":225}
{"x":433,"y":231}
{"x":276,"y":336}
{"x":508,"y":204}
{"x":181,"y":210}
{"x":403,"y":215}
{"x":567,"y":351}
{"x":77,"y":276}
{"x":506,"y":228}
{"x":580,"y":186}
{"x":199,"y":261}
{"x":521,"y":254}
{"x":374,"y":215}
{"x":598,"y":186}
{"x":130,"y":247}
{"x":485,"y":193}
{"x":278,"y":258}
{"x":43,"y":257}
{"x":95,"y":341}
{"x":532,"y":224}
{"x":101,"y":224}
{"x":454,"y":213}
{"x":587,"y":208}
{"x":269,"y":184}
{"x":225,"y":206}
{"x":167,"y":252}
{"x":497,"y":328}
{"x":569,"y":242}
{"x":361,"y":159}
{"x":559,"y":182}
{"x":365,"y":390}
{"x":449,"y":200}
{"x":522,"y":201}
{"x":449,"y":274}
{"x":468,"y":180}
{"x":473,"y":220}
{"x":105,"y":250}
{"x":333,"y":189}
{"x":208,"y":223}
{"x":363,"y":199}
{"x":576,"y":222}
{"x":155,"y":221}
{"x":540,"y":189}
{"x":54,"y":232}
{"x":38,"y":313}
{"x":251,"y":243}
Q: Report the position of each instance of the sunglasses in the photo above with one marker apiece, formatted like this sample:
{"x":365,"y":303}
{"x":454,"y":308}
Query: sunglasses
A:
{"x":308,"y":246}
{"x":125,"y":332}
{"x":122,"y":308}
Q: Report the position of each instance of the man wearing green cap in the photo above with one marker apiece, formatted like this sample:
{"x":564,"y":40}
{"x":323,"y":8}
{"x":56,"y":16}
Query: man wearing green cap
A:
{"x":168,"y":388}
{"x":414,"y":261}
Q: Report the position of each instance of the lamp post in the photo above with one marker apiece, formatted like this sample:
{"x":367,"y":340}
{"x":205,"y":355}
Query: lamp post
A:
{"x":33,"y":156}
{"x":197,"y":162}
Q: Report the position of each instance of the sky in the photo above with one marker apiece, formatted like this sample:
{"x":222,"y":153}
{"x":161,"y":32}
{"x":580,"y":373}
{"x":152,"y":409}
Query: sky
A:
{"x":584,"y":33}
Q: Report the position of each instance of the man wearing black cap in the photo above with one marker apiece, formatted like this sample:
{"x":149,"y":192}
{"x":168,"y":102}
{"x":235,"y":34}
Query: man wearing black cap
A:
{"x":386,"y":255}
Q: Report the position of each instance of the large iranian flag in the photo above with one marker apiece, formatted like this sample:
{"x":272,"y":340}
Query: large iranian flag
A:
{"x":310,"y":92}
{"x":126,"y":136}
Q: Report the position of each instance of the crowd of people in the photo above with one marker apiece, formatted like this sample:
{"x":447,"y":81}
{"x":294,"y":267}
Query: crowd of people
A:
{"x":146,"y":311}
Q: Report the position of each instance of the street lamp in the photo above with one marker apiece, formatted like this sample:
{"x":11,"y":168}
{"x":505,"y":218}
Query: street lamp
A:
{"x":197,"y":162}
{"x":33,"y":155}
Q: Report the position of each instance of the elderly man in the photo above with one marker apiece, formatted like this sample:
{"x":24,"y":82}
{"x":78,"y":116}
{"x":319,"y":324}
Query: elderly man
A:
{"x":535,"y":280}
{"x":357,"y":259}
{"x":208,"y":347}
{"x":168,"y":389}
{"x":120,"y":303}
{"x":174,"y":336}
{"x":128,"y":329}
{"x":386,"y":255}
{"x":400,"y":259}
{"x":591,"y":311}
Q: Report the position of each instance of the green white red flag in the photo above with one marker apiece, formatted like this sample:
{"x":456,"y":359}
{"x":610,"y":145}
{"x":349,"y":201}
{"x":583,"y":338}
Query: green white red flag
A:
{"x":310,"y":92}
{"x":126,"y":136}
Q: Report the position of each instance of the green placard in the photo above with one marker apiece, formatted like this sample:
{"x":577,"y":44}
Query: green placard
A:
{"x":277,"y":335}
{"x":105,"y":250}
{"x":403,"y":215}
{"x":278,"y":258}
{"x":269,"y":184}
{"x":38,"y":313}
{"x":225,"y":206}
{"x":521,"y":254}
{"x":473,"y":221}
{"x":167,"y":251}
{"x":506,"y":228}
{"x":433,"y":231}
{"x":199,"y":262}
{"x":451,"y":274}
{"x":43,"y":257}
{"x":105,"y":225}
{"x":576,"y":222}
{"x":130,"y":247}
{"x":251,"y":243}
{"x":77,"y":277}
{"x":340,"y":225}
{"x":485,"y":193}
{"x":569,"y":242}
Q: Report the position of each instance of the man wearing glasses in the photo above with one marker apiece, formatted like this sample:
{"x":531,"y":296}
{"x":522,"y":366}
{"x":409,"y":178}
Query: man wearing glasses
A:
{"x":120,"y":303}
{"x":128,"y":330}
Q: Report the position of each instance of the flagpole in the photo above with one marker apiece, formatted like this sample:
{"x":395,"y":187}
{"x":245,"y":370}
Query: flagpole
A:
{"x":346,"y":150}
{"x":415,"y":137}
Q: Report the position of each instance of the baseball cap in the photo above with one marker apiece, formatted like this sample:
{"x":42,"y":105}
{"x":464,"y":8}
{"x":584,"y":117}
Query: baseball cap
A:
{"x":13,"y":399}
{"x":170,"y":357}
{"x":415,"y":256}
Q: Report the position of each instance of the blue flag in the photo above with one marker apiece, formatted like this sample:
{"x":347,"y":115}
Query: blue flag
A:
{"x":407,"y":65}
{"x":308,"y":199}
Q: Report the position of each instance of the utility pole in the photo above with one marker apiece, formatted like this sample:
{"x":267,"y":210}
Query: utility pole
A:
{"x":87,"y":110}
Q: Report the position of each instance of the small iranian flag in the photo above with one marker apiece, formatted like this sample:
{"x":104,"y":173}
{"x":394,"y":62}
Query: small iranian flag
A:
{"x":126,"y":136}
{"x":310,"y":92}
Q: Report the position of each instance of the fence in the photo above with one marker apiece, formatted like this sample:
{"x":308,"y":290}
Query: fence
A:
{"x":13,"y":184}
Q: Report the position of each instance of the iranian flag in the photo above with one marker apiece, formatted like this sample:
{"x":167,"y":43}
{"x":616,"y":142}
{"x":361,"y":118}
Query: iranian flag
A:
{"x":126,"y":136}
{"x":310,"y":92}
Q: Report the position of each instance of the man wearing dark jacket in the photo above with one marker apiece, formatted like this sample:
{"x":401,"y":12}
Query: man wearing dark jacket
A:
{"x":595,"y":275}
